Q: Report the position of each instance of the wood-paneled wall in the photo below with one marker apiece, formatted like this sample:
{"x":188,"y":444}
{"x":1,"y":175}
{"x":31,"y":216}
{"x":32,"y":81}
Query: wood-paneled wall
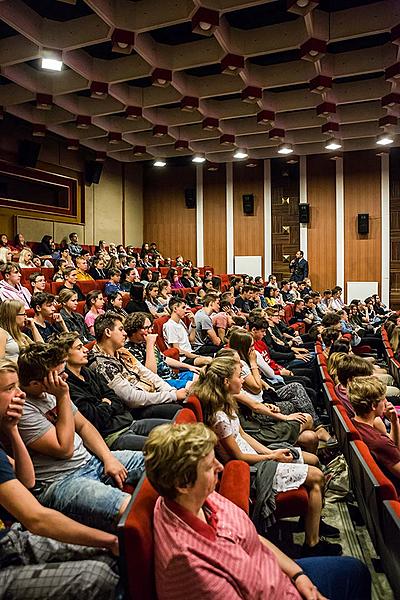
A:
{"x":362,"y":194}
{"x":248,"y":229}
{"x":214,"y":202}
{"x":395,"y":228}
{"x":167,"y":221}
{"x":285,"y":226}
{"x":321,"y":234}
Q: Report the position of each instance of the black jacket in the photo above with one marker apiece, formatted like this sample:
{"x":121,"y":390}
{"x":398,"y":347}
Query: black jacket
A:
{"x":88,"y":395}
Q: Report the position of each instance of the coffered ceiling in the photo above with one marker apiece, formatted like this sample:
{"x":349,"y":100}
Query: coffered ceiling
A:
{"x":163,"y":78}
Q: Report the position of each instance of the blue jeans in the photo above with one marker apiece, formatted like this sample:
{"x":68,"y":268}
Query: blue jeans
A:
{"x":83,"y":496}
{"x":338,"y":577}
{"x":180,"y":383}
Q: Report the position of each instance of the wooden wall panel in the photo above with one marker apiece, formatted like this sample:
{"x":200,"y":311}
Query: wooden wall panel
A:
{"x":166,"y":220}
{"x":248,"y":229}
{"x":214,"y":190}
{"x":394,"y":174}
{"x":321,"y":234}
{"x":285,"y":193}
{"x":362,"y":194}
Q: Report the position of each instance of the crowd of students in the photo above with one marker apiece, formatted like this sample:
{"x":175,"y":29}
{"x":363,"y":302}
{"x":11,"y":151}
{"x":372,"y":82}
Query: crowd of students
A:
{"x":84,"y":397}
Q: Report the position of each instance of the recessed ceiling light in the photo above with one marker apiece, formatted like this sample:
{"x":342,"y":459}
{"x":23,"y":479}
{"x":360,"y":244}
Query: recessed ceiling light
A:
{"x":285,"y":149}
{"x":51,"y":64}
{"x":240,"y":153}
{"x":384,"y":139}
{"x":333,"y":144}
{"x":198,"y":158}
{"x":159,"y":162}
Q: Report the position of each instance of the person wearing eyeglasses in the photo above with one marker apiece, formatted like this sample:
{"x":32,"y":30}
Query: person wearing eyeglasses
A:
{"x":13,"y":321}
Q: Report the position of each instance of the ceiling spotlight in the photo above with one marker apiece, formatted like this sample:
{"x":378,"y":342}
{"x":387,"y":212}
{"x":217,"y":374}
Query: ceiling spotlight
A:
{"x":51,"y":60}
{"x":251,"y":163}
{"x":198,"y":158}
{"x":51,"y":64}
{"x":285,"y":149}
{"x":240,"y":153}
{"x":384,"y":139}
{"x":333,"y":144}
{"x":212,"y":167}
{"x":159,"y":162}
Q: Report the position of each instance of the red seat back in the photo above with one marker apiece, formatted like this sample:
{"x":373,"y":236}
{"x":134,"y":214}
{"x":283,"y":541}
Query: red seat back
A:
{"x":194,"y":403}
{"x":185,"y":416}
{"x":158,"y":329}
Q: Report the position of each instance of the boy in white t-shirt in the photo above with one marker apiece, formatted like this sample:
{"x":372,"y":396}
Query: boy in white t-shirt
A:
{"x":176,"y":335}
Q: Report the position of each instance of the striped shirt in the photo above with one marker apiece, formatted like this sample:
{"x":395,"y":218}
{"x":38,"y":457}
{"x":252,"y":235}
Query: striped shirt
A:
{"x":222,"y":559}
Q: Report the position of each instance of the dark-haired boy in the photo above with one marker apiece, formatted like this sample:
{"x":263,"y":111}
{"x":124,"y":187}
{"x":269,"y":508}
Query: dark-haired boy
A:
{"x":69,"y":478}
{"x":47,"y":320}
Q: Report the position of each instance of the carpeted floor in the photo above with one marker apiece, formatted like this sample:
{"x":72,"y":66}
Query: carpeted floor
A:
{"x":354,"y":539}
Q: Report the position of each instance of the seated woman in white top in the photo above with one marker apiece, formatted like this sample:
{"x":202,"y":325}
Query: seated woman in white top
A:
{"x":13,"y":320}
{"x":218,"y":382}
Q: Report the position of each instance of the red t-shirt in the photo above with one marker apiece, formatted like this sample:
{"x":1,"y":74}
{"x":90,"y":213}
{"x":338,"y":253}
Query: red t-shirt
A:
{"x":382,"y":448}
{"x":262,"y":348}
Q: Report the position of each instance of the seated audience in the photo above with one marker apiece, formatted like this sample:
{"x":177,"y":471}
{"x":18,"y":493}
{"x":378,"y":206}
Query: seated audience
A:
{"x":367,"y":397}
{"x":206,"y":342}
{"x":155,"y":307}
{"x":186,"y":279}
{"x":97,"y":270}
{"x":45,"y":248}
{"x":74,"y":248}
{"x":200,"y":536}
{"x":115,"y":302}
{"x":70,"y":279}
{"x":98,"y":403}
{"x":6,"y":256}
{"x":58,"y":436}
{"x":128,"y":276}
{"x":60,"y":269}
{"x":94,"y":308}
{"x":242,"y":301}
{"x":144,"y":392}
{"x":11,"y":288}
{"x":217,"y":384}
{"x":164,"y":292}
{"x":174,"y":280}
{"x":176,"y":335}
{"x":46,"y":319}
{"x":142,"y":344}
{"x":38,"y":283}
{"x":13,"y":322}
{"x":47,"y":554}
{"x":72,"y":319}
{"x":113,"y":285}
{"x":82,"y":269}
{"x":25,"y":259}
{"x":18,"y":244}
{"x":136,"y":302}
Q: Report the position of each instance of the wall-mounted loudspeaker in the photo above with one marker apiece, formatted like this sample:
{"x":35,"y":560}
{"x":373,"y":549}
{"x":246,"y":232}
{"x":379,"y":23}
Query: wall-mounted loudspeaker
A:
{"x":190,"y":198}
{"x":304,"y":213}
{"x":93,"y":171}
{"x":248,"y":204}
{"x":363,"y":223}
{"x":28,"y":153}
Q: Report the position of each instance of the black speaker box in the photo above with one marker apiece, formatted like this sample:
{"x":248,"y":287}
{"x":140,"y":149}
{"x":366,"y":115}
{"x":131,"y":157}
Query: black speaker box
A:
{"x":304,"y":213}
{"x":190,"y":198}
{"x":363,"y":223}
{"x":93,"y":171}
{"x":248,"y":204}
{"x":28,"y":153}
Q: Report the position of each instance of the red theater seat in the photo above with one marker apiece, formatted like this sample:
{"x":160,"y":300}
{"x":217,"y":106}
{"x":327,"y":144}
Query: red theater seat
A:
{"x":158,"y":329}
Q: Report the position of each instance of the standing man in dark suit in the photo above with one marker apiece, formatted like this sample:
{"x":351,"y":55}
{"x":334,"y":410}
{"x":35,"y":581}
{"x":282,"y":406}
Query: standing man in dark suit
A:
{"x":298,"y":267}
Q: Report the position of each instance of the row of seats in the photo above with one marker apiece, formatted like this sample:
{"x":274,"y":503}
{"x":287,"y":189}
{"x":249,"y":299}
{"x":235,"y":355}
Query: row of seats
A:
{"x":136,"y":526}
{"x":375,"y":494}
